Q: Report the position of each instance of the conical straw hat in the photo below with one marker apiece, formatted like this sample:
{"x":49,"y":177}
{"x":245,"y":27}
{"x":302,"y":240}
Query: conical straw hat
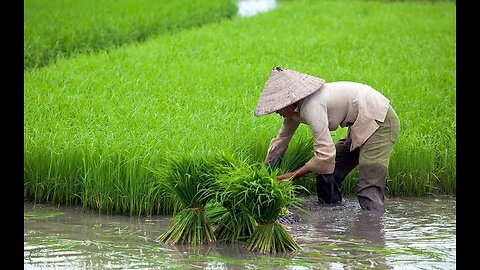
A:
{"x":285,"y":87}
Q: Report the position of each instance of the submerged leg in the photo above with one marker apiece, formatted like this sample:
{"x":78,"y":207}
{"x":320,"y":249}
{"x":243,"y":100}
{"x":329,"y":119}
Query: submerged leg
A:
{"x":327,"y":189}
{"x":373,"y":163}
{"x":371,"y":187}
{"x":328,"y":185}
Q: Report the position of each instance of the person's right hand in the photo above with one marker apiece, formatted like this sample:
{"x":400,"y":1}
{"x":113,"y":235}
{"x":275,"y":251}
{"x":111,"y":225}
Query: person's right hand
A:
{"x":287,"y":176}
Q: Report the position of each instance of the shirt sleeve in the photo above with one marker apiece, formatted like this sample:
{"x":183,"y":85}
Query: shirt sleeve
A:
{"x":278,"y":145}
{"x":323,"y":160}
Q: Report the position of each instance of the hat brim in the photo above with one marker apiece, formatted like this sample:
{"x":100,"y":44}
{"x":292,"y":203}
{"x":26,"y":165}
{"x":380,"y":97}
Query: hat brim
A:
{"x":285,"y":87}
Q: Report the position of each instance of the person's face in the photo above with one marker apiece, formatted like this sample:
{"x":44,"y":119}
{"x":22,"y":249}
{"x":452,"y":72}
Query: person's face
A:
{"x":286,"y":111}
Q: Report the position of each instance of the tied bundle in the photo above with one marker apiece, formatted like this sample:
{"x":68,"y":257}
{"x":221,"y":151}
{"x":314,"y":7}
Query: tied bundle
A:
{"x":257,"y":193}
{"x":188,"y":180}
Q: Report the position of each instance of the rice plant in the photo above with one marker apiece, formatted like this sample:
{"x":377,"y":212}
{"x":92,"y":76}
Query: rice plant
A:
{"x":235,"y":225}
{"x":215,"y":213}
{"x":188,"y":180}
{"x":256,"y":192}
{"x":62,"y":28}
{"x":297,"y":155}
{"x":231,"y":224}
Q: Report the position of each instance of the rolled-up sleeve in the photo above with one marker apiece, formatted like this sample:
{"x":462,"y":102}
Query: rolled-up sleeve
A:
{"x":278,"y":145}
{"x":323,"y":160}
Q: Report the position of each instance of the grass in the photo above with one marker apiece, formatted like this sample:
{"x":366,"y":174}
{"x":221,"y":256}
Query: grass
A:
{"x":63,"y":28}
{"x":95,"y":126}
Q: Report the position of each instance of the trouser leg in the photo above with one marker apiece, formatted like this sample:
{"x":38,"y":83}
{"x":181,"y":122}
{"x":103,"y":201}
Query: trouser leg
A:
{"x":328,"y":185}
{"x":371,"y":186}
{"x":373,"y":163}
{"x":345,"y":161}
{"x":327,"y":189}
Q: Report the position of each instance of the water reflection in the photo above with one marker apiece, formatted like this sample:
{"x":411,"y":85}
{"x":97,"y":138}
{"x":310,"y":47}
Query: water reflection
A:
{"x":343,"y":235}
{"x":368,"y":231}
{"x":248,"y":8}
{"x":368,"y":226}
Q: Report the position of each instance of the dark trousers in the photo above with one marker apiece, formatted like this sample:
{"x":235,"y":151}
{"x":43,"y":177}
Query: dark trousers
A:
{"x":372,"y":158}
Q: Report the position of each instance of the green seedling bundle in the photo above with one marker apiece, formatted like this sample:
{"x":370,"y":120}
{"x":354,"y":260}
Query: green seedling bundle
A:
{"x":234,"y":224}
{"x":265,"y":198}
{"x":246,"y":201}
{"x":189,"y":182}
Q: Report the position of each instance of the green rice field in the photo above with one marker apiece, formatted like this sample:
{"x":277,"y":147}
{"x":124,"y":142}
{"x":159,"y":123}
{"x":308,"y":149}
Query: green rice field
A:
{"x":99,"y":119}
{"x":62,"y":28}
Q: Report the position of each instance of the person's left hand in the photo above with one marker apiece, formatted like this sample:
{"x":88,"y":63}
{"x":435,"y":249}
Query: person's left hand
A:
{"x":286,"y":176}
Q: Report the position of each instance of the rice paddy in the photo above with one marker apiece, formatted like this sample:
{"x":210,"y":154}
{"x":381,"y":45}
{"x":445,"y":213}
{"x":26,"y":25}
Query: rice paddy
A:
{"x":98,"y":126}
{"x":62,"y":29}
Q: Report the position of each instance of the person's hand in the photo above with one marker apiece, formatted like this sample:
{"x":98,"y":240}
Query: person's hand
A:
{"x":287,"y":176}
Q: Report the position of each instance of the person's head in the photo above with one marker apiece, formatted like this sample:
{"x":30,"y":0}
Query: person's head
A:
{"x":287,"y":111}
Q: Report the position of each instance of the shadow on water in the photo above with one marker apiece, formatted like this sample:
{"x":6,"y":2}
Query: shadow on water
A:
{"x":414,"y":233}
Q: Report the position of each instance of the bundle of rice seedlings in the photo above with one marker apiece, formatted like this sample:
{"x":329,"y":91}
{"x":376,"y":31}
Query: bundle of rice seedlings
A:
{"x":229,"y":226}
{"x":215,"y":212}
{"x":233,"y":222}
{"x":187,"y":179}
{"x":235,"y":226}
{"x":259,"y":194}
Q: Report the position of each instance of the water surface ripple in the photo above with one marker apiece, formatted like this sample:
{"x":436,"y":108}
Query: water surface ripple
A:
{"x":414,"y":233}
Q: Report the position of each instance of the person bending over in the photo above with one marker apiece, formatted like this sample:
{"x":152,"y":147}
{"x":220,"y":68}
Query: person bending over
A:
{"x":373,"y":128}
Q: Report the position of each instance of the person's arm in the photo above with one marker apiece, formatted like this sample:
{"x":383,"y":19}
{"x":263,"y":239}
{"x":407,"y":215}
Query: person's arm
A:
{"x":278,"y":145}
{"x":323,"y":160}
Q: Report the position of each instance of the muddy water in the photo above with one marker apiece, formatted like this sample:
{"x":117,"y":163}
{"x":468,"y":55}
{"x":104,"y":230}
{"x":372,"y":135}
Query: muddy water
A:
{"x":414,"y":233}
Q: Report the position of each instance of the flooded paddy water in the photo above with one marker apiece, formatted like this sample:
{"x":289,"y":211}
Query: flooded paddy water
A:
{"x":414,"y":233}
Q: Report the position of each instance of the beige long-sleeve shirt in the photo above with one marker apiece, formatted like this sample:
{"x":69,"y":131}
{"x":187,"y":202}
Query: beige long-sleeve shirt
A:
{"x":345,"y":104}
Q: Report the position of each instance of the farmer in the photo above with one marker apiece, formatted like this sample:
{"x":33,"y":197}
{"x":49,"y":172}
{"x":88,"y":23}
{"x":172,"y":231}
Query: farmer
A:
{"x":373,"y":128}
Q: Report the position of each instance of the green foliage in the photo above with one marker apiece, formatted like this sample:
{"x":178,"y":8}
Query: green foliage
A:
{"x":63,"y":28}
{"x":238,"y":197}
{"x":234,"y":223}
{"x":215,"y":212}
{"x":188,"y":180}
{"x":235,"y":226}
{"x":260,"y":193}
{"x":301,"y":153}
{"x":256,"y":199}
